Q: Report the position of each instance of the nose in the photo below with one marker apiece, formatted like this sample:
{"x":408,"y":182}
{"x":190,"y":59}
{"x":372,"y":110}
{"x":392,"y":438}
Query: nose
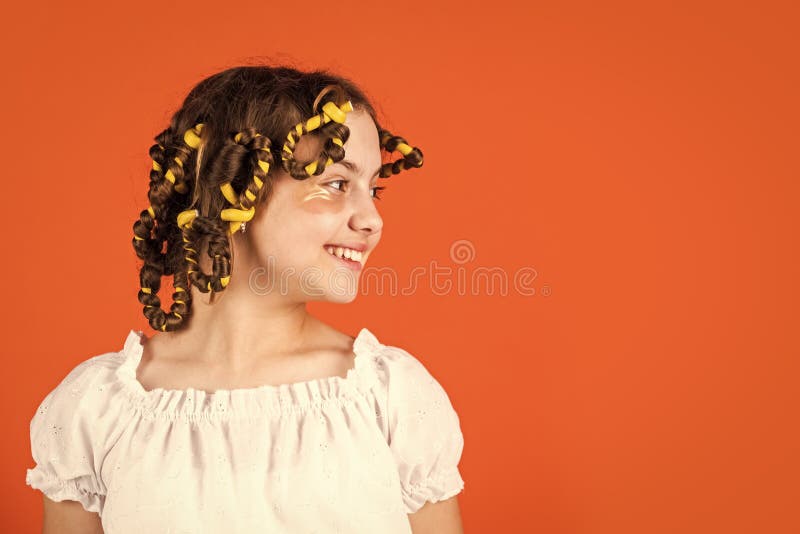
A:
{"x":365,"y":216}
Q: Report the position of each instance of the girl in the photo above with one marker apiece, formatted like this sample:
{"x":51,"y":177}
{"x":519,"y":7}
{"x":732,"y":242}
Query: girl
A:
{"x":243,"y":412}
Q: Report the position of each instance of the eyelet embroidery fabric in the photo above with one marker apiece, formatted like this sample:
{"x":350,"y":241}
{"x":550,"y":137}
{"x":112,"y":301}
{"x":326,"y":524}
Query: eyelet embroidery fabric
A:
{"x":338,"y":454}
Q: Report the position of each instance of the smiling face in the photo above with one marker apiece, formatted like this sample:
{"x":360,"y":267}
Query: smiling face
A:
{"x":303,"y":220}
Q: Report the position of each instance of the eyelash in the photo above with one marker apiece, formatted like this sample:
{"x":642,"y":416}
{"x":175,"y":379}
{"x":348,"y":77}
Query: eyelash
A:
{"x":376,"y":188}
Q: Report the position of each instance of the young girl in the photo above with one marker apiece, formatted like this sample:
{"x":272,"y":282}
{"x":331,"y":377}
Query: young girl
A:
{"x":242,"y":412}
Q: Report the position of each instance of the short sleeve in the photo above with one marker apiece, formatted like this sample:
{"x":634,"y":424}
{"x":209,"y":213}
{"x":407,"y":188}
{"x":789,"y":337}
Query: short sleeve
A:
{"x":424,"y":432}
{"x":62,"y":438}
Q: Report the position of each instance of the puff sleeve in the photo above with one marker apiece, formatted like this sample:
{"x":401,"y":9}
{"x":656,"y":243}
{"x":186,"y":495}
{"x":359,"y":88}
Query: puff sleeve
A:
{"x":424,"y":432}
{"x":62,"y":437}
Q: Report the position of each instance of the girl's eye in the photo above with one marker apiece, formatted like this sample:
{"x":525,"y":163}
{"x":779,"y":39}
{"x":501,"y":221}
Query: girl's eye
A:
{"x":337,"y":181}
{"x":374,"y":189}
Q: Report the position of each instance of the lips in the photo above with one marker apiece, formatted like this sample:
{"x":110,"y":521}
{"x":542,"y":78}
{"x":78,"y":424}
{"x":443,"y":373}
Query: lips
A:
{"x":352,"y":264}
{"x":346,"y":254}
{"x":361,"y":247}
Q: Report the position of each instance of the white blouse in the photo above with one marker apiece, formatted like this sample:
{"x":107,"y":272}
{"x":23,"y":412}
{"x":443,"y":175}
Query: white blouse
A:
{"x":353,"y":454}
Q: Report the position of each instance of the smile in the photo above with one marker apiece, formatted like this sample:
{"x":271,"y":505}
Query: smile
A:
{"x":345,"y":253}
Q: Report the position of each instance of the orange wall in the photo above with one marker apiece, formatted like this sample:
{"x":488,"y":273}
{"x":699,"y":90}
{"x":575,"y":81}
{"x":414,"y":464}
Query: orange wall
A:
{"x":640,"y":156}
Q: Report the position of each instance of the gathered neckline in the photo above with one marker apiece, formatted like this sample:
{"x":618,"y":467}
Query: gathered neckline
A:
{"x":241,"y":402}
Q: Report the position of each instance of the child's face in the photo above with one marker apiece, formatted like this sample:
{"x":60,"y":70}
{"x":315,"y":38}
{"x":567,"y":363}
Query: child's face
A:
{"x":289,"y":234}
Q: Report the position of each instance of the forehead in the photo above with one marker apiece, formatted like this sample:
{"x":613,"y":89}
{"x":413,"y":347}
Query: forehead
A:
{"x":363,"y":144}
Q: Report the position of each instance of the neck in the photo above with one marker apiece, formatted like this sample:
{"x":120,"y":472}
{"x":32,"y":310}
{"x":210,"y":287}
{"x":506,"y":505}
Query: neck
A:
{"x":247,"y":322}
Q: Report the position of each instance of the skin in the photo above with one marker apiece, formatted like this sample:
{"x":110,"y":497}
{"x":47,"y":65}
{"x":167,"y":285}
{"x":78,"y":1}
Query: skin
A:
{"x":248,"y":336}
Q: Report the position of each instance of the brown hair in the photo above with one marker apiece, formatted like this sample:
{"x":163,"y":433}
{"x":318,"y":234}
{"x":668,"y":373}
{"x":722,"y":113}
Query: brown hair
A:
{"x":262,"y":104}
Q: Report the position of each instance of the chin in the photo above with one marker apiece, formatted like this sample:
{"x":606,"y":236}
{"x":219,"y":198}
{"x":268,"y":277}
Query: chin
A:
{"x":339,"y":297}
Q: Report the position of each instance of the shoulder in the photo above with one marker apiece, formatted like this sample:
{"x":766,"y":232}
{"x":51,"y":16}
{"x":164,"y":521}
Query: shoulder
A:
{"x":422,"y":428}
{"x":88,"y":399}
{"x":415,"y":398}
{"x":414,"y":401}
{"x":87,"y":382}
{"x":72,"y":428}
{"x":406,"y":376}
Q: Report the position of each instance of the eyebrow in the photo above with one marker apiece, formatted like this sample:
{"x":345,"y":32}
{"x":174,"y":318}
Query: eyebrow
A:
{"x":354,"y":168}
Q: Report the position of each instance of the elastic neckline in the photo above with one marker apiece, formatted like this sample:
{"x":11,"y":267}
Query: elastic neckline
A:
{"x":243,"y":402}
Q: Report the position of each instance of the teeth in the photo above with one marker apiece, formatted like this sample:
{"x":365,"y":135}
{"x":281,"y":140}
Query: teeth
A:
{"x":347,"y":253}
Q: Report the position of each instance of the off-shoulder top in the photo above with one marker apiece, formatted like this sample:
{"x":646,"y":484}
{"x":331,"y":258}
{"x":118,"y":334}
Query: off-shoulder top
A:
{"x":338,"y":454}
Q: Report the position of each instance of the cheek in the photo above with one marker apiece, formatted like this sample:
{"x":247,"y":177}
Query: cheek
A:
{"x":317,"y":199}
{"x":289,"y":228}
{"x":297,"y":222}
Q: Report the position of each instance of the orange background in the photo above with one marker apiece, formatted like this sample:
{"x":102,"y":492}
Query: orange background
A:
{"x":640,"y":156}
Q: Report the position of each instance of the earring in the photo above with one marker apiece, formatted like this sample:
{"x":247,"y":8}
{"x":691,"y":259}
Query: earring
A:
{"x":244,"y":225}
